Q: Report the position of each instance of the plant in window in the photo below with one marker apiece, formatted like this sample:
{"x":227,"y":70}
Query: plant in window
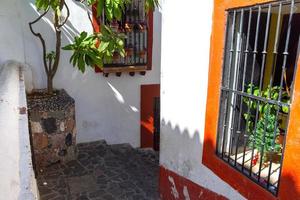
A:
{"x":84,"y":48}
{"x":261,"y":136}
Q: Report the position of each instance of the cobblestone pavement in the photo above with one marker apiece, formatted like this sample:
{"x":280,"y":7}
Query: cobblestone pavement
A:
{"x":105,"y":172}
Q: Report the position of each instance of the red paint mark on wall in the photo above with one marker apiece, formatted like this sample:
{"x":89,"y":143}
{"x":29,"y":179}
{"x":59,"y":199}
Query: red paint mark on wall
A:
{"x":148,"y":92}
{"x":172,"y":186}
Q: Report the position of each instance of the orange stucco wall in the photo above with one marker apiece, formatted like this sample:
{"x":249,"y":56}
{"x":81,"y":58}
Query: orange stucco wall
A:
{"x":290,"y":179}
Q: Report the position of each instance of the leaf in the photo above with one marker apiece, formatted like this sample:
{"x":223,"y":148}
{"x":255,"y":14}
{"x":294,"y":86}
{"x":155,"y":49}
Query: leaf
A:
{"x":100,"y":6}
{"x":256,"y":92}
{"x":285,"y":109}
{"x":103,"y":46}
{"x":68,"y":47}
{"x":151,"y":5}
{"x":109,"y":13}
{"x":117,"y":13}
{"x":81,"y":64}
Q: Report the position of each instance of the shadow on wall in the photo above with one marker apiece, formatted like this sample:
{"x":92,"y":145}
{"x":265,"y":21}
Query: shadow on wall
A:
{"x":181,"y":166}
{"x":45,"y":24}
{"x":180,"y":148}
{"x":292,"y":192}
{"x":182,"y":175}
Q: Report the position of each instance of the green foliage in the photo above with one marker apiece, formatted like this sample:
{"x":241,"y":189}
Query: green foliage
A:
{"x":45,"y":4}
{"x":151,"y":4}
{"x":114,"y":8}
{"x":86,"y":52}
{"x":263,"y":135}
{"x":50,"y":56}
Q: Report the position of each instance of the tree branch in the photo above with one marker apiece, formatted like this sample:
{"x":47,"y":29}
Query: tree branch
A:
{"x":68,"y":15}
{"x":89,"y":16}
{"x":38,"y":35}
{"x":58,"y":46}
{"x":88,"y":13}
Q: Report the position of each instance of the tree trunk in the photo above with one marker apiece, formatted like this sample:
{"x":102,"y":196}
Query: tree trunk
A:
{"x":50,"y":84}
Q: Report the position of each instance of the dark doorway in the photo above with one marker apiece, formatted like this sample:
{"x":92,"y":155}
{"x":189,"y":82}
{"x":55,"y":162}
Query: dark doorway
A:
{"x":150,"y":116}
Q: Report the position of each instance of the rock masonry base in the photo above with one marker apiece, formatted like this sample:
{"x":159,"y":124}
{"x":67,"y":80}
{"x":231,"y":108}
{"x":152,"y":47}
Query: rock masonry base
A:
{"x":53,"y":128}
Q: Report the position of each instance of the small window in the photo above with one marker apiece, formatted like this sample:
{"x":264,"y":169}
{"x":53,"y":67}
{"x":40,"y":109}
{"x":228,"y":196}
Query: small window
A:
{"x":136,"y":24}
{"x":261,"y":49}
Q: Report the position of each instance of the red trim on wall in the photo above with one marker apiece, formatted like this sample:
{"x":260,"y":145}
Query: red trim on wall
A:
{"x":96,"y":28}
{"x":169,"y":181}
{"x":148,"y":92}
{"x":150,"y":40}
{"x":290,"y":178}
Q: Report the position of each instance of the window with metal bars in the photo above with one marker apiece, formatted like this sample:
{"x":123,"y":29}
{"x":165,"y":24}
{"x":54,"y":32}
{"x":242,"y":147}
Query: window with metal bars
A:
{"x":260,"y":56}
{"x":134,"y":24}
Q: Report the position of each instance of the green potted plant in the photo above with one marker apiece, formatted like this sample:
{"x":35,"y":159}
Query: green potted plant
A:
{"x":267,"y":136}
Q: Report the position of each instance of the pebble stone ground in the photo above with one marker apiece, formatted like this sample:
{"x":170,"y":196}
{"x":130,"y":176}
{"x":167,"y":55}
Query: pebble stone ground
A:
{"x":103,"y":172}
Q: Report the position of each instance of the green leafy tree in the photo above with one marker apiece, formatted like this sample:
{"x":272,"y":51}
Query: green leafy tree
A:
{"x":267,"y":126}
{"x":85,"y":51}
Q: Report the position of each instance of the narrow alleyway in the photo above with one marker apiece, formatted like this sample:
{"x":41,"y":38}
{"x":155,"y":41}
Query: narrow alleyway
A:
{"x":103,"y":172}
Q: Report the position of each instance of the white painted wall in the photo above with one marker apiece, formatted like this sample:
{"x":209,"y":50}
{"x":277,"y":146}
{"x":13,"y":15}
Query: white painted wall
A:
{"x":16,"y":171}
{"x":186,"y":29}
{"x":11,"y":45}
{"x":106,"y":108}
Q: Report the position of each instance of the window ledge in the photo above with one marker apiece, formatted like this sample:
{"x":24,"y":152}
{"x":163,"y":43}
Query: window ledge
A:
{"x":274,"y":175}
{"x":124,"y":69}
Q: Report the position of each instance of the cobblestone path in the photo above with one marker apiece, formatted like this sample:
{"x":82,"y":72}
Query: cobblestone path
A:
{"x":103,"y":172}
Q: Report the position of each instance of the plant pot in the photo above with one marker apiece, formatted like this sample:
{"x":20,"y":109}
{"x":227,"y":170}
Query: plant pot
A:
{"x":142,"y":27}
{"x":129,"y":51}
{"x":280,"y":139}
{"x":142,"y":54}
{"x":52,"y":128}
{"x":114,"y":26}
{"x":116,"y":57}
{"x":128,"y":27}
{"x":274,"y":156}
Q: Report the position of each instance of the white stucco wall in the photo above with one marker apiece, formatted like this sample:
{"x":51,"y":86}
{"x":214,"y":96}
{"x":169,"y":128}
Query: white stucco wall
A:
{"x":16,"y":171}
{"x":185,"y":62}
{"x":11,"y":45}
{"x":106,"y":108}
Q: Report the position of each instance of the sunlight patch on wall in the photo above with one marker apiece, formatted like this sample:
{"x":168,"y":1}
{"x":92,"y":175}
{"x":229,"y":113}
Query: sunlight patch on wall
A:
{"x":117,"y":94}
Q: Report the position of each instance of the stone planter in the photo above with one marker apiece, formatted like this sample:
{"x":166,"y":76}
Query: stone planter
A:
{"x":52,"y":128}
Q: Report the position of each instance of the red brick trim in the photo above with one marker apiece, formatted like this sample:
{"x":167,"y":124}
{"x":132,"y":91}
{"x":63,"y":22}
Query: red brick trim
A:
{"x":173,"y":186}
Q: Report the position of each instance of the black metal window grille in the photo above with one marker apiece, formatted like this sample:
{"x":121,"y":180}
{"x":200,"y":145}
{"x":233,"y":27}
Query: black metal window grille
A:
{"x":134,"y":24}
{"x":261,"y":49}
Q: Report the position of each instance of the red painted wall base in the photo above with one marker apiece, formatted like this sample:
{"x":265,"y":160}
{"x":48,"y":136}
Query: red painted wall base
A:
{"x":172,"y":186}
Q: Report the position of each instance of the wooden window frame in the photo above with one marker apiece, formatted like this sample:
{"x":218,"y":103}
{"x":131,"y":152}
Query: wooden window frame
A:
{"x":96,"y":27}
{"x":289,"y":187}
